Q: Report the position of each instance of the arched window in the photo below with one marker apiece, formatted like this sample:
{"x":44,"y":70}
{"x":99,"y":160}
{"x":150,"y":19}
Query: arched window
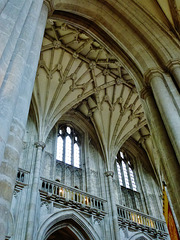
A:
{"x":68,"y":146}
{"x":125,"y":171}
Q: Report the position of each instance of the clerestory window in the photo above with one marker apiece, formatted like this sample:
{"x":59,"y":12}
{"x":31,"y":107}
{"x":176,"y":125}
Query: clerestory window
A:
{"x":68,"y":146}
{"x":125,"y":171}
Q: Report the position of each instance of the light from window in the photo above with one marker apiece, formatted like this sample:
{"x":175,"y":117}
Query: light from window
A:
{"x":132,"y":179}
{"x":59,"y":155}
{"x":68,"y":130}
{"x":119,"y":174}
{"x":125,"y":171}
{"x":122,"y":155}
{"x":68,"y":146}
{"x":125,"y":174}
{"x":68,"y":150}
{"x":76,"y":155}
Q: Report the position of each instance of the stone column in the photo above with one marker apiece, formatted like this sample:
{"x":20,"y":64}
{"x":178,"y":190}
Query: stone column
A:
{"x":169,"y":162}
{"x":31,"y":222}
{"x":168,"y":108}
{"x":109,"y":175}
{"x":9,"y":165}
{"x":174,"y":68}
{"x":13,"y":15}
{"x":87,"y":165}
{"x":2,"y":4}
{"x":12,"y":79}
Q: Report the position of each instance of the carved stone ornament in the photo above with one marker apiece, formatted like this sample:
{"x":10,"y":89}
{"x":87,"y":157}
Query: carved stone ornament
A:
{"x":173,"y":64}
{"x":152,"y":73}
{"x":145,"y":92}
{"x":40,"y":144}
{"x":45,"y":203}
{"x":49,"y":5}
{"x":109,"y":173}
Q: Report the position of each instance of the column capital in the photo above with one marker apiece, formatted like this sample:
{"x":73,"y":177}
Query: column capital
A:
{"x":40,"y":144}
{"x":145,"y":92}
{"x":172,"y":64}
{"x":151,"y":73}
{"x":49,"y":5}
{"x":109,"y":173}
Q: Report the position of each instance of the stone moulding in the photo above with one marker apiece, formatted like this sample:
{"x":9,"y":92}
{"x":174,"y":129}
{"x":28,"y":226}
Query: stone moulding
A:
{"x":63,"y":215}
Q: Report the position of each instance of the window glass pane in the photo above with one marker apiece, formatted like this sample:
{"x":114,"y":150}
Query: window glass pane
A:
{"x":68,"y":150}
{"x":119,"y":174}
{"x":68,"y":130}
{"x":59,"y":155}
{"x":66,"y":143}
{"x":125,"y":175}
{"x":132,"y":179}
{"x":76,"y":155}
{"x":122,"y":155}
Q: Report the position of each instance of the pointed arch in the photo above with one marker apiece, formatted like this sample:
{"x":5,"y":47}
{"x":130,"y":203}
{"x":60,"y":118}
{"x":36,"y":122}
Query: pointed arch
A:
{"x":70,"y":219}
{"x":140,"y":236}
{"x":115,"y":13}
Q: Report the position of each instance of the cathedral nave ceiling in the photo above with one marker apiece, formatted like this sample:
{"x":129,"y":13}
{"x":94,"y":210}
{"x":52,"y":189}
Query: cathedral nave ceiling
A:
{"x":76,"y":72}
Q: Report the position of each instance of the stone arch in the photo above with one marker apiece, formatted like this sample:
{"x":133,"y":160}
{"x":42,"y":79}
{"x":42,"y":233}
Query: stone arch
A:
{"x":67,"y":218}
{"x":140,"y":236}
{"x":139,"y":38}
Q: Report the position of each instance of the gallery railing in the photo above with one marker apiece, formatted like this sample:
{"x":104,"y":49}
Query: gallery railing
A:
{"x":138,"y":219}
{"x":22,"y":175}
{"x":21,"y":179}
{"x":72,"y":196}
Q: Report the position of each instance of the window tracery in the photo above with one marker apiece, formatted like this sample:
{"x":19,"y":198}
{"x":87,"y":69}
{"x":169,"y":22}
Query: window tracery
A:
{"x":68,"y":146}
{"x":125,"y":171}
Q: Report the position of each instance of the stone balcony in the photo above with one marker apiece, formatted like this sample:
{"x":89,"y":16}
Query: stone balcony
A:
{"x":136,"y":220}
{"x":21,"y":179}
{"x":63,"y":195}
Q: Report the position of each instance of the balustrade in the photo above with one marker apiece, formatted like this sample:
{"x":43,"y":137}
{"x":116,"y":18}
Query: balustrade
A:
{"x":142,"y":219}
{"x":72,"y":194}
{"x":22,"y":175}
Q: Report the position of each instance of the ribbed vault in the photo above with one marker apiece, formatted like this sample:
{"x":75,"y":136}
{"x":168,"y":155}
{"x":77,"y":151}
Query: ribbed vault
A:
{"x":77,"y":72}
{"x":143,"y":32}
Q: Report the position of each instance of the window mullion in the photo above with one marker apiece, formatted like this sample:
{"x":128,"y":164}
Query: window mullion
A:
{"x":72,"y":149}
{"x":79,"y":156}
{"x":64,"y":148}
{"x":69,"y":141}
{"x":129,"y":177}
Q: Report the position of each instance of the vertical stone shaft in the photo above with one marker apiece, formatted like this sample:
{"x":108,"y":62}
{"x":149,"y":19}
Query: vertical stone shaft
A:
{"x":31,"y":222}
{"x":169,"y":162}
{"x":174,"y":68}
{"x":12,"y":19}
{"x":109,"y":175}
{"x":3,"y":4}
{"x":87,"y":165}
{"x":168,"y":109}
{"x":13,"y":78}
{"x":8,"y":169}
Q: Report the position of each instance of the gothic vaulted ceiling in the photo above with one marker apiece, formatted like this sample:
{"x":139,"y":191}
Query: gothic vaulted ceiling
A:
{"x":164,"y":11}
{"x":76,"y":72}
